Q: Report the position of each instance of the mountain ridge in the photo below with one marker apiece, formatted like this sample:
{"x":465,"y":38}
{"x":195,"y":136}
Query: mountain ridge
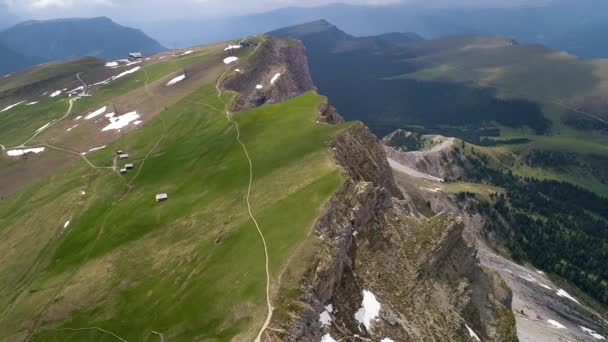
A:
{"x":71,"y":38}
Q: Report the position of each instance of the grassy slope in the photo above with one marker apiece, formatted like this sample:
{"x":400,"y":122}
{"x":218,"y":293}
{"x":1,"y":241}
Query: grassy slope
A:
{"x":190,"y":267}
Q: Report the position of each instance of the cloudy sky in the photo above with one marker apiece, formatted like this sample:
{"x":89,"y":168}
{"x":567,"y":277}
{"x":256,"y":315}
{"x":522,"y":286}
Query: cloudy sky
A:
{"x":167,"y":9}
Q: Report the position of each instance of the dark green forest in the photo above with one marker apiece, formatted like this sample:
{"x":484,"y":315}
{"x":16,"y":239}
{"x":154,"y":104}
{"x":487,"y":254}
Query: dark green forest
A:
{"x":556,"y":226}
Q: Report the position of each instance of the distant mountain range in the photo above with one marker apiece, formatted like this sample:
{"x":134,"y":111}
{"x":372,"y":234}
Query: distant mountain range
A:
{"x":12,"y":60}
{"x":34,"y":42}
{"x":574,"y":26}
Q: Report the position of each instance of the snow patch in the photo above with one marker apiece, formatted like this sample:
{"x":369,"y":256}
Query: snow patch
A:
{"x":76,"y":89}
{"x":14,"y":153}
{"x":593,"y":333}
{"x":325,"y":318}
{"x":95,"y":113}
{"x":78,"y":117}
{"x":111,"y":64}
{"x":137,"y":122}
{"x":259,"y":86}
{"x":56,"y":93}
{"x":109,"y":115}
{"x":370,"y":308}
{"x":556,"y":324}
{"x":124,"y":73}
{"x":176,"y":80}
{"x":71,"y":128}
{"x":565,"y":294}
{"x":327,"y":338}
{"x":472,"y":333}
{"x":230,"y":59}
{"x":232,"y":47}
{"x":119,"y":122}
{"x":187,"y":53}
{"x":31,"y":103}
{"x":386,"y":339}
{"x":12,"y":106}
{"x":66,"y":224}
{"x":97,"y":148}
{"x":275,"y":77}
{"x":237,"y":70}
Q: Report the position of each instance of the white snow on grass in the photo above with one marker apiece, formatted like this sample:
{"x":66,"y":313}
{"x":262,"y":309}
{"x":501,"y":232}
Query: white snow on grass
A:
{"x":230,"y":59}
{"x":76,"y":89}
{"x":71,"y":128}
{"x":31,"y":103}
{"x":125,"y":73}
{"x":259,"y":86}
{"x":82,"y":193}
{"x":327,"y":338}
{"x":472,"y":333}
{"x":556,"y":324}
{"x":44,"y":127}
{"x":78,"y":117}
{"x":593,"y":333}
{"x":111,"y":64}
{"x":97,"y":148}
{"x":237,"y":70}
{"x":370,"y":308}
{"x":14,"y":153}
{"x":565,"y":294}
{"x":66,"y":224}
{"x":187,"y":52}
{"x":119,"y":122}
{"x":56,"y":93}
{"x":137,"y":122}
{"x":433,"y":189}
{"x":95,"y":113}
{"x":386,"y":339}
{"x":275,"y":77}
{"x":232,"y":47}
{"x":176,"y":80}
{"x":109,"y":115}
{"x":5,"y":76}
{"x":12,"y":106}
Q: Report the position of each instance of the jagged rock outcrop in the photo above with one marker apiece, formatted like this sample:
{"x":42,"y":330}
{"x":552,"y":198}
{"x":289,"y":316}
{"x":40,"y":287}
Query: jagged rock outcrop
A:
{"x":274,"y":56}
{"x":423,"y":273}
{"x":329,"y":114}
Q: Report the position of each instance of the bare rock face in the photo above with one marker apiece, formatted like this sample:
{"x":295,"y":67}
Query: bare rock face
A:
{"x":253,"y":82}
{"x":386,"y":270}
{"x":442,"y":160}
{"x":328,"y":114}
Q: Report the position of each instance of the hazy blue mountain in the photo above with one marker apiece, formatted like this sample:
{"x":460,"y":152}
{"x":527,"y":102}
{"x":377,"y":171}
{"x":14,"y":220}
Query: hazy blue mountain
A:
{"x":576,"y":26}
{"x":12,"y":60}
{"x":63,"y":39}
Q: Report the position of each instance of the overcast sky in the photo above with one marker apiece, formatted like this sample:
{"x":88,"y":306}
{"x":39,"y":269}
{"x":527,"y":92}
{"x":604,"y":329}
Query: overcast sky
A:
{"x":136,"y":10}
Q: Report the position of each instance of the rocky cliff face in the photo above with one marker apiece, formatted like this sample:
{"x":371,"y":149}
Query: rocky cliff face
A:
{"x":254,"y":80}
{"x":383,"y":270}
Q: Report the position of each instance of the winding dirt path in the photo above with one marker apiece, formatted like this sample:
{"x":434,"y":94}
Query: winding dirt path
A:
{"x":230,"y":118}
{"x":51,"y":124}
